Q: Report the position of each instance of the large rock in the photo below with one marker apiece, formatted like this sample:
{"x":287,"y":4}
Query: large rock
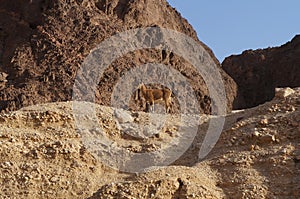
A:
{"x":257,"y":73}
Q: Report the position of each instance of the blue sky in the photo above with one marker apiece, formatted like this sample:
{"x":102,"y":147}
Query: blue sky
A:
{"x":232,"y":26}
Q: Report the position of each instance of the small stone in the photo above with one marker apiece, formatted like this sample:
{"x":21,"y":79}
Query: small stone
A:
{"x":122,"y":116}
{"x":6,"y":165}
{"x":232,"y":140}
{"x":54,"y":179}
{"x":283,"y":92}
{"x":284,"y":151}
{"x":264,"y":121}
{"x":267,"y":138}
{"x":256,"y":134}
{"x":292,"y":109}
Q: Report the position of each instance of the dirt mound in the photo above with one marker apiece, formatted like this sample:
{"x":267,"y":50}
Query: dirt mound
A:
{"x":257,"y":155}
{"x":258,"y":72}
{"x":43,"y":44}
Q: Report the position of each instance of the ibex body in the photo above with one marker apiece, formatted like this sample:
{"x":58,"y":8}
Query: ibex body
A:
{"x":156,"y":95}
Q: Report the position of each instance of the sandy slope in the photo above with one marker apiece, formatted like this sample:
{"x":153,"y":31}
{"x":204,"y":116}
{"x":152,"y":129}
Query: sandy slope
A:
{"x":257,"y":155}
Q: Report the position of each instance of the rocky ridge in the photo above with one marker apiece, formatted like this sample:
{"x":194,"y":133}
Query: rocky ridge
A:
{"x":258,"y":72}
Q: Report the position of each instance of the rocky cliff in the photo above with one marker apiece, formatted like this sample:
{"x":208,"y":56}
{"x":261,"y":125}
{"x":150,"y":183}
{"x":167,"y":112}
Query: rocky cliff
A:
{"x":258,"y":72}
{"x":43,"y":44}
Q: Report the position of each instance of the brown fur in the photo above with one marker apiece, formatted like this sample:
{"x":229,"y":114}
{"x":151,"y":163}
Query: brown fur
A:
{"x":156,"y":95}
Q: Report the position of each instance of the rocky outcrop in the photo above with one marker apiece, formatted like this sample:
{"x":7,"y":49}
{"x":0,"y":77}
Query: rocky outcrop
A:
{"x":43,"y":44}
{"x":258,"y":72}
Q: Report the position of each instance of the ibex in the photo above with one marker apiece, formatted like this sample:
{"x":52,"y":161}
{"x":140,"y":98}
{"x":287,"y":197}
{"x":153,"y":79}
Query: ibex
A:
{"x":155,"y":95}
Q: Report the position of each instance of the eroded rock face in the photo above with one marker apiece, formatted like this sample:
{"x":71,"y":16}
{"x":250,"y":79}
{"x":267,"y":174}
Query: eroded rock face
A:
{"x":257,"y":73}
{"x":43,"y":44}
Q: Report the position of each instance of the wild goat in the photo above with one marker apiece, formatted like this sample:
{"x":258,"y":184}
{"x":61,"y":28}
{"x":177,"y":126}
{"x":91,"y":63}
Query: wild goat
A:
{"x":155,"y":95}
